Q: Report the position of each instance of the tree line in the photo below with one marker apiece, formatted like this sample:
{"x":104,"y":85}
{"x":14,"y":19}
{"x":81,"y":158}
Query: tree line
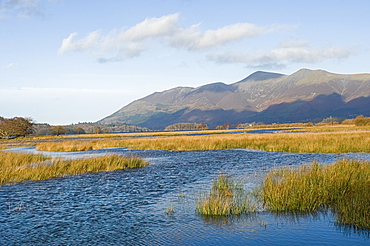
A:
{"x":186,"y":127}
{"x":88,"y":128}
{"x":358,"y":121}
{"x":21,"y":127}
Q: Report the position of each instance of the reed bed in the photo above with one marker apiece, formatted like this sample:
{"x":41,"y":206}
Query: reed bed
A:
{"x":11,"y":159}
{"x":226,"y":197}
{"x":132,"y":134}
{"x":333,"y":128}
{"x":307,"y":142}
{"x":17,"y":167}
{"x":342,"y":187}
{"x":77,"y":145}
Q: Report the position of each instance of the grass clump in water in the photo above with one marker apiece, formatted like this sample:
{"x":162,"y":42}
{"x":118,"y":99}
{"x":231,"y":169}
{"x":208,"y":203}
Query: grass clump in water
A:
{"x":226,"y":197}
{"x":17,"y":167}
{"x":342,"y":187}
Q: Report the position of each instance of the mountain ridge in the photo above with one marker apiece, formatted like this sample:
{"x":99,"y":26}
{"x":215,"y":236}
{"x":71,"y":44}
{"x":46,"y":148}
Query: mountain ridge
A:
{"x":250,"y":99}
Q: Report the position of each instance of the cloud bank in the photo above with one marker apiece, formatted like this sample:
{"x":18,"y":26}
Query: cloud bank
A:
{"x":123,"y":44}
{"x":287,"y":52}
{"x":166,"y":29}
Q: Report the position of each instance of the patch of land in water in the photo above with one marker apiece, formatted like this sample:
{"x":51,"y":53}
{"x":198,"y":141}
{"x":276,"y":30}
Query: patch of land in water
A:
{"x":314,"y":139}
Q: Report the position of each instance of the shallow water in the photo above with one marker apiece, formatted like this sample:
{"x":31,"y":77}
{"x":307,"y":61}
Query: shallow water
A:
{"x":127,"y":207}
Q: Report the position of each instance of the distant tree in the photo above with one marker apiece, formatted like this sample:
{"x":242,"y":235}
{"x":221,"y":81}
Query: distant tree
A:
{"x":239,"y":125}
{"x":6,"y":129}
{"x":15,"y":127}
{"x":332,"y":120}
{"x":202,"y":126}
{"x":227,"y":126}
{"x":182,"y":127}
{"x":79,"y":130}
{"x":58,"y":130}
{"x":220,"y":127}
{"x":97,"y":130}
{"x":24,"y":126}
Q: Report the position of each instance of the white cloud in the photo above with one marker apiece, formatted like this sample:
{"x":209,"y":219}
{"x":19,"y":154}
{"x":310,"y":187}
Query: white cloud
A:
{"x":153,"y":27}
{"x":287,"y":52}
{"x":90,"y":42}
{"x":10,"y":65}
{"x":133,"y":41}
{"x":118,"y":45}
{"x":193,"y":39}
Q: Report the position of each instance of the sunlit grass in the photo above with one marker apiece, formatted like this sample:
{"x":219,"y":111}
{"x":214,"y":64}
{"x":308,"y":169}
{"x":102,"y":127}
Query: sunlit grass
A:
{"x":342,"y":187}
{"x":307,"y":142}
{"x":333,"y":128}
{"x":10,"y":159}
{"x":34,"y":140}
{"x":226,"y":197}
{"x":17,"y":167}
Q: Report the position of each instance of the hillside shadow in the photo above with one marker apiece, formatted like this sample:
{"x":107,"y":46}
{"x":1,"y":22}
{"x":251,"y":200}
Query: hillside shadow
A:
{"x":321,"y":106}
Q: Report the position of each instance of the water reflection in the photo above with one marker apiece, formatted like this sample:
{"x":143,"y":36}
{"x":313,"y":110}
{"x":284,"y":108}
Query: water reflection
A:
{"x":128,"y":207}
{"x":351,"y":231}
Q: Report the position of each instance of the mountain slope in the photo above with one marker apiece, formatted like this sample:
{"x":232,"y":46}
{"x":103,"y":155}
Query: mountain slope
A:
{"x":262,"y":96}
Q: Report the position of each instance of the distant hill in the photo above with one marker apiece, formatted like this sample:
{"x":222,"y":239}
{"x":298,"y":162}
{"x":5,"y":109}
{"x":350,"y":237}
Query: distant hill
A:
{"x":260,"y":97}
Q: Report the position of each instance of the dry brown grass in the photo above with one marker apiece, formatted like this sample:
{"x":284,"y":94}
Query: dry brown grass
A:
{"x":307,"y":142}
{"x":343,"y":187}
{"x":17,"y":167}
{"x":226,"y":197}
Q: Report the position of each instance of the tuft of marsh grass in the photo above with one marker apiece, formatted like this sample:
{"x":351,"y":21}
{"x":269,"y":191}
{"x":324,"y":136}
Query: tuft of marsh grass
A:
{"x":17,"y":167}
{"x":226,"y":197}
{"x":170,"y":210}
{"x":342,"y":187}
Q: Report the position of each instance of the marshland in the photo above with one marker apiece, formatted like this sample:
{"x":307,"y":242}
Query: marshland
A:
{"x":304,"y":186}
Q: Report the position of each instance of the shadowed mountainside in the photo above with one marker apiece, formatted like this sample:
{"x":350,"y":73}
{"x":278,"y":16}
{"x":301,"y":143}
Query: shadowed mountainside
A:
{"x":262,"y":96}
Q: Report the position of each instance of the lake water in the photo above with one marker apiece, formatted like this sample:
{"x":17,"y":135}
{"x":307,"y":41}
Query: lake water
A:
{"x":128,"y":207}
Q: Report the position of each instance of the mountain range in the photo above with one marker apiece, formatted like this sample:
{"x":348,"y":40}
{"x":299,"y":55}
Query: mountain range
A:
{"x":261,"y":97}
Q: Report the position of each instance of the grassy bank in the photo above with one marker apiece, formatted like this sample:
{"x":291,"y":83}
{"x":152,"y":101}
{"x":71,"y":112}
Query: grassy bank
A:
{"x":35,"y":140}
{"x":307,"y":142}
{"x":17,"y":167}
{"x":342,"y":187}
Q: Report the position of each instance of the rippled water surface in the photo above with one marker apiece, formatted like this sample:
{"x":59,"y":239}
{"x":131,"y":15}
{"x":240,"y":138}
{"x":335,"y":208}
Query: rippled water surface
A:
{"x":128,"y":207}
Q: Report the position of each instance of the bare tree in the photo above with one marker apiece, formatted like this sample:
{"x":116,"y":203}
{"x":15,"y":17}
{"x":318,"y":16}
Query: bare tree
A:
{"x":202,"y":126}
{"x":58,"y":130}
{"x":97,"y":130}
{"x":79,"y":130}
{"x":15,"y":127}
{"x":227,"y":126}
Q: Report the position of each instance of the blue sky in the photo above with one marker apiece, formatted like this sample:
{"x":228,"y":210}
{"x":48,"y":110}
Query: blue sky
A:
{"x":69,"y":61}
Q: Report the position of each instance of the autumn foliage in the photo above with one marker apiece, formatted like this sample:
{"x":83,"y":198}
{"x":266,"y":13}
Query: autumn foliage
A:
{"x":15,"y":127}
